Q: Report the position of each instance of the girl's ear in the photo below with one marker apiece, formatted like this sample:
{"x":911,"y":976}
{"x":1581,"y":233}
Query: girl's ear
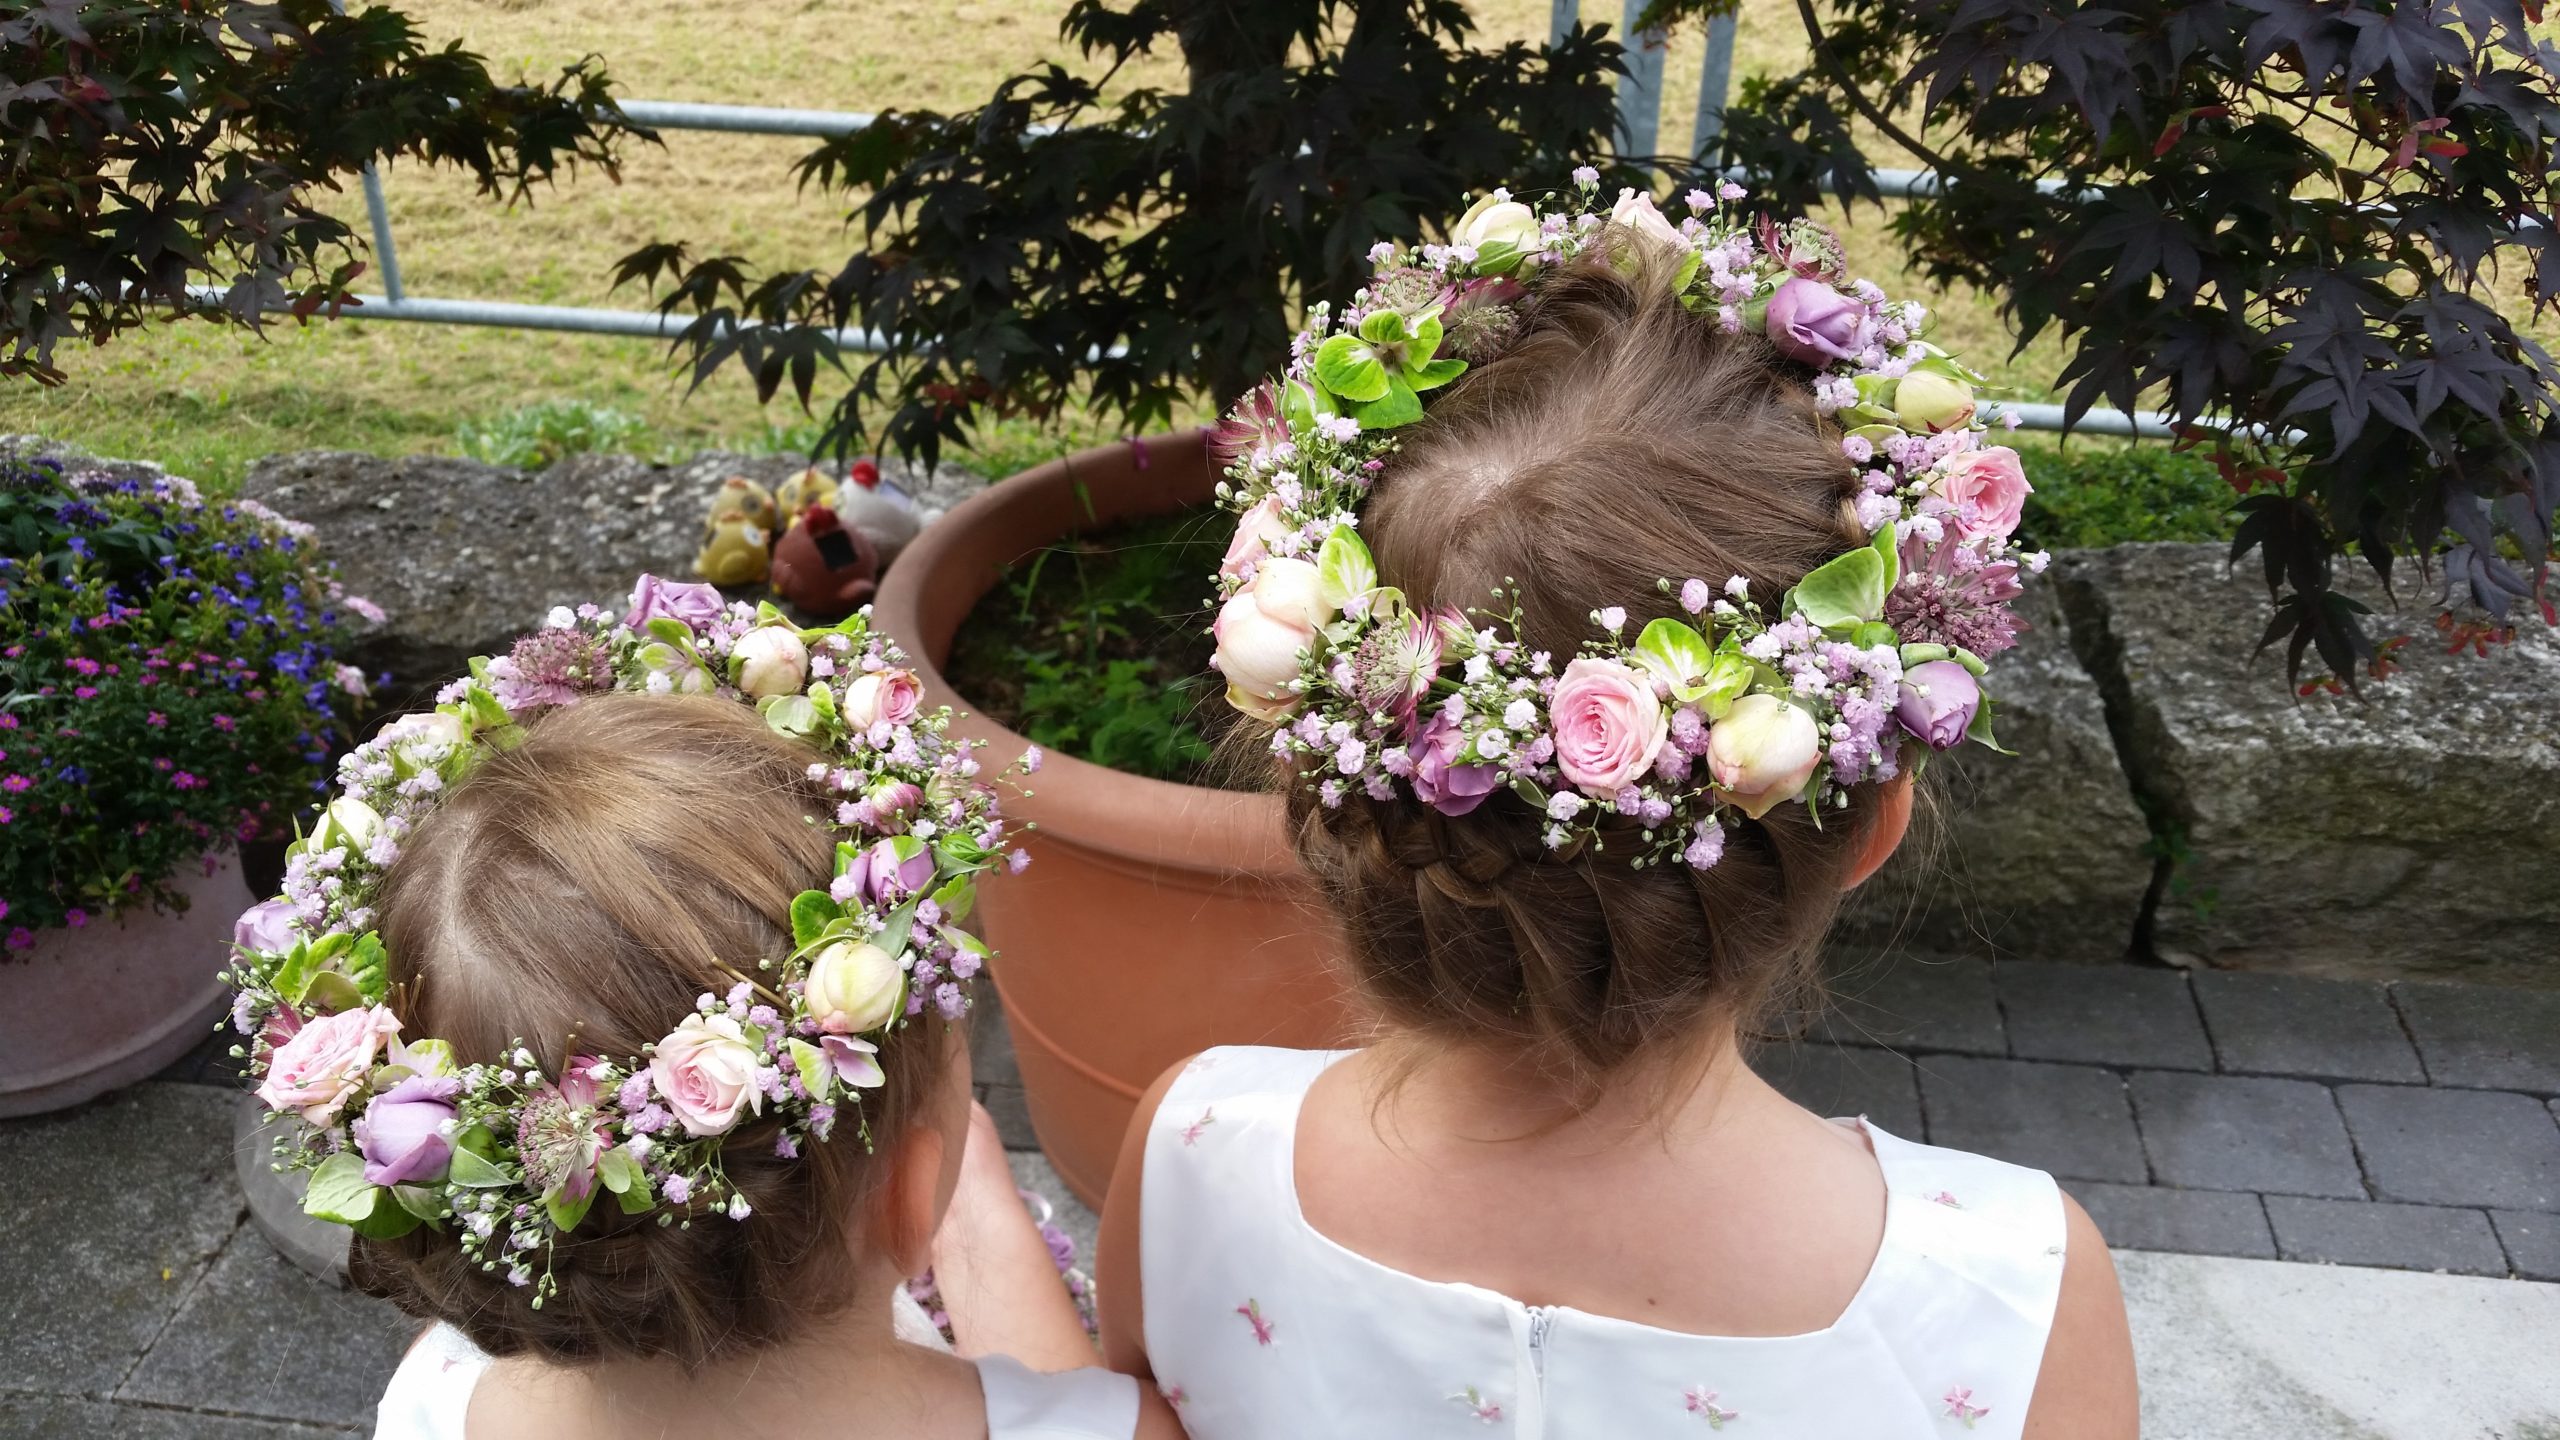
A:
{"x":908,"y":1210}
{"x":1884,"y":835}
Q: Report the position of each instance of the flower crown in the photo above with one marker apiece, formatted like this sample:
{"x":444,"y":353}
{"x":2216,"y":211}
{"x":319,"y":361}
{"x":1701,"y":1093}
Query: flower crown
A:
{"x":1867,"y":666}
{"x":508,"y":1158}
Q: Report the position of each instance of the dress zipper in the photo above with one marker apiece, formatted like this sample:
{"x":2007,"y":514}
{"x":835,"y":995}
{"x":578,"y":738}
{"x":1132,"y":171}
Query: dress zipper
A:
{"x":1533,"y":1423}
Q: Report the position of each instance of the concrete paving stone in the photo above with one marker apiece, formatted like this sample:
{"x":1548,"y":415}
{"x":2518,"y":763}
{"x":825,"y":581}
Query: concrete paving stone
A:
{"x":991,"y":1059}
{"x":2071,"y":1120}
{"x":1841,"y":1080}
{"x":2532,"y":1240}
{"x":115,"y":1208}
{"x":2102,"y":1015}
{"x":2455,"y":1147}
{"x":2298,"y":1025}
{"x":2395,"y":1237}
{"x":2485,"y":1035}
{"x":1909,"y":1002}
{"x":2187,"y":1222}
{"x":60,"y":1417}
{"x":1031,"y":1171}
{"x":1012,"y":1112}
{"x":2244,"y":1132}
{"x":259,"y":1337}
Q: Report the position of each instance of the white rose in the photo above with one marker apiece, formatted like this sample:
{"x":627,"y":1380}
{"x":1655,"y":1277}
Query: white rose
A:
{"x":413,"y":736}
{"x":1491,"y":225}
{"x":1636,"y":211}
{"x":770,"y":661}
{"x":853,"y":988}
{"x":349,"y":822}
{"x":1762,"y":752}
{"x":1261,"y":631}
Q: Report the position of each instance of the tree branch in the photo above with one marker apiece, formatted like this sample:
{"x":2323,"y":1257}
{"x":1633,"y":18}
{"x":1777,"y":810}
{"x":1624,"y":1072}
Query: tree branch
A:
{"x":1858,"y":100}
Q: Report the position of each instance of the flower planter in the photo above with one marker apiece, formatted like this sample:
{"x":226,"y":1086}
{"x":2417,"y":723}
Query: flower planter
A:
{"x":162,"y":969}
{"x":1156,"y":919}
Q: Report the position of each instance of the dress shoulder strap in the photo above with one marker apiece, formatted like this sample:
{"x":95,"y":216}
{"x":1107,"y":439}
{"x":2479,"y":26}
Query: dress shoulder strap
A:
{"x":1023,"y":1404}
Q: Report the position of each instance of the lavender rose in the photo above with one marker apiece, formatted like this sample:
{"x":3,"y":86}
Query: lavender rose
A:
{"x":1608,"y":725}
{"x":693,"y":606}
{"x":886,"y":878}
{"x":1939,"y":699}
{"x":1813,"y":322}
{"x":402,"y":1134}
{"x":1439,"y":781}
{"x":266,"y":928}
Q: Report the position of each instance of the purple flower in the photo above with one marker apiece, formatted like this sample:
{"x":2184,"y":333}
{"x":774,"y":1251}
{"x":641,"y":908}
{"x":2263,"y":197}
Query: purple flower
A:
{"x":1939,"y":699}
{"x":1438,"y":780}
{"x":1813,"y":322}
{"x":693,"y":606}
{"x":402,"y":1133}
{"x":1948,"y":596}
{"x":266,"y":928}
{"x":886,"y":878}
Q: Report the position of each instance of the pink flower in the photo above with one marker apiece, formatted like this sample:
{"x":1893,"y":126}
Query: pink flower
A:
{"x":1608,"y":724}
{"x":1261,"y":631}
{"x":1439,"y":781}
{"x":1988,"y":488}
{"x":1636,"y":211}
{"x":882,"y":696}
{"x":854,"y":987}
{"x":706,"y":1072}
{"x":1762,"y":752}
{"x":402,"y":1135}
{"x":771,"y":661}
{"x":324,"y":1064}
{"x":266,"y":928}
{"x":1938,"y":702}
{"x":1257,"y":530}
{"x":1254,"y":424}
{"x":693,"y":606}
{"x":1813,"y":322}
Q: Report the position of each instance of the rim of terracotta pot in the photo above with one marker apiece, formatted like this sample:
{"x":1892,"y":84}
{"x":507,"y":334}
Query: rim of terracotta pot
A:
{"x":942,"y":575}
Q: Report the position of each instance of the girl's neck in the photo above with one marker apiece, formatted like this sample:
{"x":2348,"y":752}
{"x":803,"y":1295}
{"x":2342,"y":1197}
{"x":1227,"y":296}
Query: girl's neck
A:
{"x":1480,"y":1093}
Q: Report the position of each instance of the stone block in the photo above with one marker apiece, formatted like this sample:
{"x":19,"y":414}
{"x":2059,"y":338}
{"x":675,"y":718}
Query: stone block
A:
{"x":2187,"y":1222}
{"x":2397,"y":1237}
{"x":2102,"y":1015}
{"x":2071,"y":1120}
{"x":2532,"y":1240}
{"x":2455,"y":1147}
{"x":466,"y":556}
{"x":59,"y":1417}
{"x":2233,"y":1132}
{"x":2040,"y":854}
{"x":2330,"y":836}
{"x":1842,"y":1081}
{"x":2297,"y":1025}
{"x":2486,"y":1036}
{"x":1919,"y":1003}
{"x":115,"y":1209}
{"x":259,"y":1336}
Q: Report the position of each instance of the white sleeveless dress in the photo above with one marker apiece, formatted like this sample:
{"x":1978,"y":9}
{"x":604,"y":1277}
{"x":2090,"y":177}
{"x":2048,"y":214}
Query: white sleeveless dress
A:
{"x":1258,"y":1327}
{"x":430,"y":1393}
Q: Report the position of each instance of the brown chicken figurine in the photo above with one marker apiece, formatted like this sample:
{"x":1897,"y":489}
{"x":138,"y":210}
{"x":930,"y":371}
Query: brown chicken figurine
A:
{"x":823,"y":566}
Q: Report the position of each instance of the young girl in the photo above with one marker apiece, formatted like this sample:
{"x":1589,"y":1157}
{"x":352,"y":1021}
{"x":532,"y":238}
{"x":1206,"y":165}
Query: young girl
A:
{"x":624,"y":1079}
{"x":1660,"y":617}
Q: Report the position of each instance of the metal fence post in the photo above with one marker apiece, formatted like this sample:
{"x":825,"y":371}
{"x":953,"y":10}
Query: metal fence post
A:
{"x":1561,"y":18}
{"x":1715,"y":86}
{"x":1640,"y":89}
{"x":386,"y":259}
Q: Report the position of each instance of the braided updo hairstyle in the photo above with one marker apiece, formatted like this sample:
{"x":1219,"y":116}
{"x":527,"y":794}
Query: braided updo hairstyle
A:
{"x":1619,"y":440}
{"x":577,"y":893}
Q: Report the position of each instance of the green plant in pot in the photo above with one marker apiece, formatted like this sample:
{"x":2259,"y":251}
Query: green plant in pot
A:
{"x":170,"y":687}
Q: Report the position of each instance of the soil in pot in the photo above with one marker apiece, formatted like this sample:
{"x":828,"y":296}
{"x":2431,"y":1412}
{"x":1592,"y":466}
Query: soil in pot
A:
{"x":1098,"y":647}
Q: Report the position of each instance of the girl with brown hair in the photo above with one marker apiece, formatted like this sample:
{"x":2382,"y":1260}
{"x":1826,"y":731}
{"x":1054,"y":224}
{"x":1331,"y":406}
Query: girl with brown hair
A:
{"x":1591,"y":692}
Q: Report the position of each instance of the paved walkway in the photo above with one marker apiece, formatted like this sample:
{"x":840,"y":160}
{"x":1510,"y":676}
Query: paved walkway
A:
{"x":2234,"y":1116}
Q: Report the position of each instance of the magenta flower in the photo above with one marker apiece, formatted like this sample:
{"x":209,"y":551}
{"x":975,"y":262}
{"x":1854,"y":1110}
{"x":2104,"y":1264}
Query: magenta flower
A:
{"x":1394,"y":664}
{"x":1949,"y":596}
{"x":1254,"y":424}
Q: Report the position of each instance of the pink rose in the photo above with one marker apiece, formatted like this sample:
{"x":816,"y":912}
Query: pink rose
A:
{"x":323,"y":1065}
{"x":882,"y":695}
{"x":1762,"y":752}
{"x":1257,"y":530}
{"x":706,"y":1072}
{"x":1608,"y":724}
{"x":694,"y":606}
{"x":1812,"y":322}
{"x":1988,"y":488}
{"x":1439,"y":781}
{"x":1261,"y":631}
{"x":1636,"y":211}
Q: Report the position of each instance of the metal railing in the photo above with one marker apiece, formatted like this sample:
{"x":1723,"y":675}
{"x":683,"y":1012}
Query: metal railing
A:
{"x":1639,"y":130}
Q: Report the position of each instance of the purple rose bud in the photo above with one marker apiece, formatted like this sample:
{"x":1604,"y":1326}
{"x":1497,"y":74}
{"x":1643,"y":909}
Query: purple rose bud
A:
{"x":1938,"y":701}
{"x":887,"y":878}
{"x":692,"y":605}
{"x":1438,"y":780}
{"x":1813,"y":322}
{"x":266,"y":928}
{"x":401,"y":1134}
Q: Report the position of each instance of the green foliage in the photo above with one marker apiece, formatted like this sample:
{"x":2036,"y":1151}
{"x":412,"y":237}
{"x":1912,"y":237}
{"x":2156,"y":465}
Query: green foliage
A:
{"x":148,"y":147}
{"x":534,"y":436}
{"x":1095,"y":646}
{"x":1051,"y":248}
{"x":169,"y":684}
{"x":2092,"y":493}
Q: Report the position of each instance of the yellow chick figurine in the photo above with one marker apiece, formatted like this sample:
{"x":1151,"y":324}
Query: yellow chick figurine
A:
{"x":738,"y":551}
{"x":794,"y":496}
{"x":741,"y":496}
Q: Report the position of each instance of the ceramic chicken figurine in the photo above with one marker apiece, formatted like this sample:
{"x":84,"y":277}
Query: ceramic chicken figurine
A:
{"x":824,"y":566}
{"x":812,"y":486}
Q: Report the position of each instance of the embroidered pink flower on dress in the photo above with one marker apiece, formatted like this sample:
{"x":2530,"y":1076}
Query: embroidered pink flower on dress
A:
{"x":1174,"y":1395}
{"x":1191,"y":1132}
{"x":1251,"y":1310}
{"x":1960,"y":1405}
{"x":1947,"y":1199}
{"x":1702,"y":1403}
{"x":1488,"y":1411}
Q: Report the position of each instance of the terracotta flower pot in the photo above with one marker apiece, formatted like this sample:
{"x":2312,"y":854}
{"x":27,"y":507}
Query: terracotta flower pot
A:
{"x":85,"y":1011}
{"x":1156,"y":919}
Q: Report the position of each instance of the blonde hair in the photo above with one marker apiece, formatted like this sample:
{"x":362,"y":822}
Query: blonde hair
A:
{"x":575,"y":895}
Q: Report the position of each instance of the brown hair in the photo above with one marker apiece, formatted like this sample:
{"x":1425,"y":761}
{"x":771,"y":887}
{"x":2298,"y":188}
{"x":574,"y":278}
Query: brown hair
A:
{"x":1621,"y":440}
{"x":577,"y":893}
